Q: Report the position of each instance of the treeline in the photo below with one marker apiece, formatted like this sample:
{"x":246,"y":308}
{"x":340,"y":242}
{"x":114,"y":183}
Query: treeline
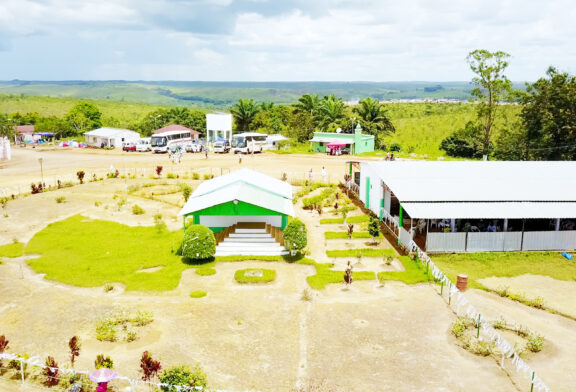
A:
{"x":545,"y":128}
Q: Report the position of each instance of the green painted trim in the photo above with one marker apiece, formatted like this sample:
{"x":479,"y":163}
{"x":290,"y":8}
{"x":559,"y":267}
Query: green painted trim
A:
{"x":381,"y":208}
{"x":196,"y":219}
{"x":217,"y":229}
{"x":401,"y":217}
{"x":240,"y":209}
{"x":284,"y":221}
{"x":368,"y":192}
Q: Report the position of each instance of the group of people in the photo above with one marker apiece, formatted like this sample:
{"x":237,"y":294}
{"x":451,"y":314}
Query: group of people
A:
{"x":323,"y":173}
{"x":389,"y":157}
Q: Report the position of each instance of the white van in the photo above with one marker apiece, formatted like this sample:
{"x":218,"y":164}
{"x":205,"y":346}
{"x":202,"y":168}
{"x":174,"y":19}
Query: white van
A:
{"x":222,"y":147}
{"x":143,"y":145}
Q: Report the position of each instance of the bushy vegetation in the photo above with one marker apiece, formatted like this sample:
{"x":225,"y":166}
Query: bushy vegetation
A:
{"x":183,"y":376}
{"x":198,"y":243}
{"x":137,"y":210}
{"x":295,"y":235}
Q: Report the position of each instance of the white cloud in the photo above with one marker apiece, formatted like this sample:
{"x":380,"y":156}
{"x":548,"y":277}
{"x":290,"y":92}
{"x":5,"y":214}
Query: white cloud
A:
{"x":280,"y":40}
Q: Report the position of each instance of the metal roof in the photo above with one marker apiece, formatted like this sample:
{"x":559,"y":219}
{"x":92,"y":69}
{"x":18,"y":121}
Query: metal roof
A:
{"x":435,"y":181}
{"x":109,"y":132}
{"x":260,"y":180}
{"x":497,"y":210}
{"x":240,"y":191}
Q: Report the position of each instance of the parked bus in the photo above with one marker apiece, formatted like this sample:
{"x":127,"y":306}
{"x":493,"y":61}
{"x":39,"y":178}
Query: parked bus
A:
{"x":248,"y":142}
{"x":162,"y":142}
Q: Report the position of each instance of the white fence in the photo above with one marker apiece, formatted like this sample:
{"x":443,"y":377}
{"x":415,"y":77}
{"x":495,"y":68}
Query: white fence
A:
{"x":501,"y":241}
{"x":405,"y":237}
{"x":446,"y":242}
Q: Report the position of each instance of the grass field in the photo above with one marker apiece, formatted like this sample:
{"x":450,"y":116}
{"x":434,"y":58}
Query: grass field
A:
{"x":90,"y":253}
{"x":414,"y":272}
{"x":15,"y":249}
{"x":331,"y":235}
{"x":243,"y":276}
{"x":483,"y":265}
{"x":366,"y":252}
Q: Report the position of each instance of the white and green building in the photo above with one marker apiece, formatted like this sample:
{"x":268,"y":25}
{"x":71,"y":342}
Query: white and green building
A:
{"x":356,"y":143}
{"x":243,"y":196}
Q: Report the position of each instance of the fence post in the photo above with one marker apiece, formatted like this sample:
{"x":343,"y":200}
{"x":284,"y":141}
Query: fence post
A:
{"x":441,"y":287}
{"x":478,"y":325}
{"x":22,"y":369}
{"x":532,"y":382}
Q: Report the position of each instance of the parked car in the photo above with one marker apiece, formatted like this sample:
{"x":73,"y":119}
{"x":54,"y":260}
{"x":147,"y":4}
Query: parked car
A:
{"x":193,"y":147}
{"x":129,"y":147}
{"x":222,"y":146}
{"x":143,"y":145}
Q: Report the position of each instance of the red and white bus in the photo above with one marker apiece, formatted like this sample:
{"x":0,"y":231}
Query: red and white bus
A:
{"x":163,"y":142}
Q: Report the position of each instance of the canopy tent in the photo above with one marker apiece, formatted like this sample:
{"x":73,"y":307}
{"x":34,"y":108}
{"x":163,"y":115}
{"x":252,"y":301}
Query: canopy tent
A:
{"x":322,"y":139}
{"x":336,"y":145}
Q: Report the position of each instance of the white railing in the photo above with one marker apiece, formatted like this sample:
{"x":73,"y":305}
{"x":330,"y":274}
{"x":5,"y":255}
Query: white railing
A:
{"x":446,"y":242}
{"x":460,"y":305}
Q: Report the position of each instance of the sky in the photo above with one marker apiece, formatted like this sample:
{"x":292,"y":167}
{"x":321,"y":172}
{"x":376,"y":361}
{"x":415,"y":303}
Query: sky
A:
{"x":280,"y":40}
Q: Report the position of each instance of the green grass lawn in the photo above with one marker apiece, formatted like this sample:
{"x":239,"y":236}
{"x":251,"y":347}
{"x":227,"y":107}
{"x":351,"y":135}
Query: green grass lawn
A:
{"x":332,"y":235}
{"x":15,"y":249}
{"x":365,"y":252}
{"x":198,"y":294}
{"x":268,"y":275}
{"x":90,"y":253}
{"x":509,"y":264}
{"x":325,"y":275}
{"x":204,"y":271}
{"x":351,"y":219}
{"x":414,"y":272}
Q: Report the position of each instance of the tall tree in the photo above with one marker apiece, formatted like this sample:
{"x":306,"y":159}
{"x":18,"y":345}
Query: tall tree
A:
{"x":7,"y":128}
{"x":244,"y":112}
{"x":492,"y":86}
{"x":308,"y":103}
{"x":330,"y":111}
{"x":374,"y":119}
{"x":84,"y":117}
{"x":549,"y":115}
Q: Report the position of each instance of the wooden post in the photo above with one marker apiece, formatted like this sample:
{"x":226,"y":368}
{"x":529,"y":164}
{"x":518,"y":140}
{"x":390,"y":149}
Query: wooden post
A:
{"x":478,"y":332}
{"x":532,"y":382}
{"x":22,"y":369}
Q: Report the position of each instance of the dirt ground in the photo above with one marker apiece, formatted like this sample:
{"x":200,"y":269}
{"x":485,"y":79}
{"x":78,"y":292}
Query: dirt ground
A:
{"x":247,"y":337}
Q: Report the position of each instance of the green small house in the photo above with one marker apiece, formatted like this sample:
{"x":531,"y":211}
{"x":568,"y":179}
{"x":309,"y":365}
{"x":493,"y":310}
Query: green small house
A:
{"x":357,"y":142}
{"x":243,"y":196}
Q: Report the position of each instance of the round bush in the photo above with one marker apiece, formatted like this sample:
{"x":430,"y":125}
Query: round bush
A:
{"x":182,"y":376}
{"x":198,"y":243}
{"x":295,"y":235}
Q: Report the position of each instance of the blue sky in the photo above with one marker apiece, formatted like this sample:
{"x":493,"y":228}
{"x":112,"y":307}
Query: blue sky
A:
{"x":280,"y":40}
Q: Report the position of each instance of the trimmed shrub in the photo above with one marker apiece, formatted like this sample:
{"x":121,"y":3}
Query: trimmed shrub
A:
{"x":295,"y":235}
{"x":198,"y":294}
{"x":198,"y":243}
{"x":183,"y":376}
{"x":137,"y":210}
{"x":252,"y":275}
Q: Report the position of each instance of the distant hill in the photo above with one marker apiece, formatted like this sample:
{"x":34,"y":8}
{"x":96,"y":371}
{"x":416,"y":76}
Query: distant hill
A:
{"x":225,"y":94}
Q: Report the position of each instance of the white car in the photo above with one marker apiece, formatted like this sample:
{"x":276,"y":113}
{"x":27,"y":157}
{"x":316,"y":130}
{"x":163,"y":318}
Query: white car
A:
{"x":193,"y":147}
{"x":143,"y":145}
{"x":222,"y":147}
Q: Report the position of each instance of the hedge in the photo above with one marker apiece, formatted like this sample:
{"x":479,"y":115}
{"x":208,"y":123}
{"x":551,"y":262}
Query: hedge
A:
{"x":198,"y":243}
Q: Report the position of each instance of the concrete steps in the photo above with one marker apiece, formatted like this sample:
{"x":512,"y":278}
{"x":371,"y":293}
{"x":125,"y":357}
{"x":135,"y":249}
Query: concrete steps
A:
{"x":250,"y":241}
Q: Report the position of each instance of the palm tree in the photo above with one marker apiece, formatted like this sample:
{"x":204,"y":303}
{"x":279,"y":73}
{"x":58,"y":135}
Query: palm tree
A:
{"x":374,"y":118}
{"x":266,"y":105}
{"x":308,"y":103}
{"x":244,"y":112}
{"x":330,"y":111}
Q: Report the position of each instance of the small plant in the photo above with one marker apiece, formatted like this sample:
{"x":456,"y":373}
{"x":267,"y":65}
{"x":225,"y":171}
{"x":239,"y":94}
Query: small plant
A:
{"x":284,"y":177}
{"x":170,"y":175}
{"x":207,"y":176}
{"x":159,"y":223}
{"x":74,"y":346}
{"x":142,"y":318}
{"x":106,"y":331}
{"x":103,"y":362}
{"x":460,"y":325}
{"x":159,"y":170}
{"x":388,"y":260}
{"x":183,"y":376}
{"x":350,"y":230}
{"x":500,"y":324}
{"x":186,"y":192}
{"x":97,"y":204}
{"x":344,"y":213}
{"x":137,"y":210}
{"x":381,"y":279}
{"x":150,"y":368}
{"x":374,"y":229}
{"x":60,"y":199}
{"x":503,"y":291}
{"x":535,"y":343}
{"x":306,"y":295}
{"x":481,"y":347}
{"x":36,"y":188}
{"x":80,"y":174}
{"x":4,"y":202}
{"x":198,"y":294}
{"x":195,"y":176}
{"x":537,"y":303}
{"x":131,"y":336}
{"x":3,"y":346}
{"x":51,"y":371}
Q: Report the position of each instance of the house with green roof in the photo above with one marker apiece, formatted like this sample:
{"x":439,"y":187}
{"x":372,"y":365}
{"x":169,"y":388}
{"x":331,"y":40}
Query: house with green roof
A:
{"x":356,"y":143}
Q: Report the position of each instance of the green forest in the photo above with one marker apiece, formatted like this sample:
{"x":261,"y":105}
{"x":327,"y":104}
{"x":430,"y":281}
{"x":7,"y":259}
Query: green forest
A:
{"x":500,"y":121}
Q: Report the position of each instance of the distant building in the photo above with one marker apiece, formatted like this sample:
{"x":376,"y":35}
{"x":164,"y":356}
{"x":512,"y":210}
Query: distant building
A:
{"x":110,"y":137}
{"x":24,"y":134}
{"x":177,"y":127}
{"x":218,"y":126}
{"x":354,"y":143}
{"x":273,"y":140}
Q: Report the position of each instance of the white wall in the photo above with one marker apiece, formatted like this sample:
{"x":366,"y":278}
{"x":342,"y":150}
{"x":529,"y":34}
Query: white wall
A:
{"x":229,"y":220}
{"x":375,"y":190}
{"x":219,"y":122}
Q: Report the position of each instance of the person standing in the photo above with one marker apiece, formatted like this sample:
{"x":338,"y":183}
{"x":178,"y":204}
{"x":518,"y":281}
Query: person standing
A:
{"x":310,"y":175}
{"x":206,"y":151}
{"x":323,"y":173}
